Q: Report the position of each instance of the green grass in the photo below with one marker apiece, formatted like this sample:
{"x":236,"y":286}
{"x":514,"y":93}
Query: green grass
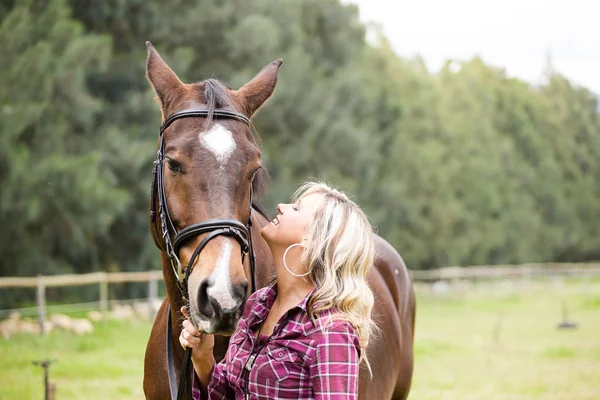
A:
{"x":105,"y":365}
{"x":493,"y":342}
{"x":490,"y":342}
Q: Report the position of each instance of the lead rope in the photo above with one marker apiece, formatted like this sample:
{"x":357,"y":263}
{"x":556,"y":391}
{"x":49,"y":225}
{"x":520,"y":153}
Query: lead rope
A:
{"x":184,"y":383}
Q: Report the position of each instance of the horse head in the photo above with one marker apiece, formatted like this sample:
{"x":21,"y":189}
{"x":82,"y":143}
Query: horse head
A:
{"x":208,"y":166}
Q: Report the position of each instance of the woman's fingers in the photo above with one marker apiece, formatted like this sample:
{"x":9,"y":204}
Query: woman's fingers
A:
{"x":185,"y":312}
{"x":188,"y":326}
{"x":202,"y":343}
{"x":184,"y":343}
{"x":193,"y":341}
{"x":186,"y":339}
{"x":190,"y":337}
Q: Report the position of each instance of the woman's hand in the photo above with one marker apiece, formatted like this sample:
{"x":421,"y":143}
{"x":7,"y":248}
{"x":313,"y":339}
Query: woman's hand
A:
{"x":202,"y":348}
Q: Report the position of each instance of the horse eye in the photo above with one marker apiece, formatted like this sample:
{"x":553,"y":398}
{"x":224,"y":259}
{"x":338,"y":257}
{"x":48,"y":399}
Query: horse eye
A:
{"x":174,"y":166}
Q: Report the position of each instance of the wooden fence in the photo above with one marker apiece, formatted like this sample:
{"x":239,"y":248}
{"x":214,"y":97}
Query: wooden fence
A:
{"x":103,"y":279}
{"x":523,"y":271}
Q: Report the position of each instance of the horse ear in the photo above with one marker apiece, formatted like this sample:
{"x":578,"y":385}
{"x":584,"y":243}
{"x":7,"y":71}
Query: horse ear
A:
{"x":256,"y":92}
{"x":162,"y":78}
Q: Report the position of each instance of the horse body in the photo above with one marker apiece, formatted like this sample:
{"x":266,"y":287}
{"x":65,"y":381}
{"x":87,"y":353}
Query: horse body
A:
{"x":194,"y":194}
{"x":391,"y":351}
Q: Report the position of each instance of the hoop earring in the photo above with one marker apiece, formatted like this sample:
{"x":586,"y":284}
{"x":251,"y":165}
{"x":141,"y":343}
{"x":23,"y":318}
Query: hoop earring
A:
{"x":285,"y":264}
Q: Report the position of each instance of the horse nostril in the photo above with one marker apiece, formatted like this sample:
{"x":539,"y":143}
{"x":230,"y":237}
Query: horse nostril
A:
{"x":215,"y":305}
{"x":205,"y":306}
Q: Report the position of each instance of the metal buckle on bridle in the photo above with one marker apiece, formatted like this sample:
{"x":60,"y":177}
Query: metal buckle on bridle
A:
{"x":178,"y":268}
{"x":176,"y":265}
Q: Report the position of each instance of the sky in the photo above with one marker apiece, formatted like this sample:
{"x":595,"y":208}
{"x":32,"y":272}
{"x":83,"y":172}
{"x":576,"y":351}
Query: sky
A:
{"x":518,"y":35}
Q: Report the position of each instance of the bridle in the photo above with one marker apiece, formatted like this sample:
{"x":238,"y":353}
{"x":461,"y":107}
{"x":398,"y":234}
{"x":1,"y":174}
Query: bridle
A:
{"x":214,"y":227}
{"x":171,"y":246}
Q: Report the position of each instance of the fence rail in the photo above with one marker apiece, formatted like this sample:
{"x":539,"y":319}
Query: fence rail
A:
{"x":476,"y":272}
{"x":103,"y":279}
{"x":81,"y":279}
{"x":524,"y":271}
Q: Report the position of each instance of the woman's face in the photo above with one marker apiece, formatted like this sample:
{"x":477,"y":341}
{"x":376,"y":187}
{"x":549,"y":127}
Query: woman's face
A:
{"x":289,"y":226}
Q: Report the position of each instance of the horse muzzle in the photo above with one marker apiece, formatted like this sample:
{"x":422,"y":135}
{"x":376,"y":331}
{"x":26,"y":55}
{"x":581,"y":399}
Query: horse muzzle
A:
{"x":220,"y":306}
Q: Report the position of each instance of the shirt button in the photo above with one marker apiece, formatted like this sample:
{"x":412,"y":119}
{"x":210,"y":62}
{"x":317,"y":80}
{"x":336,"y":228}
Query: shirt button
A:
{"x":280,"y":354}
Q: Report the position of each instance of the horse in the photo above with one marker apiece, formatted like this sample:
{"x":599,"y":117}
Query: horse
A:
{"x":208,"y":166}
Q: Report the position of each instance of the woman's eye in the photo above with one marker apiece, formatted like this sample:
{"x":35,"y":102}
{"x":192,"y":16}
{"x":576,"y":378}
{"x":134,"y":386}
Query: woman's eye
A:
{"x":174,"y":166}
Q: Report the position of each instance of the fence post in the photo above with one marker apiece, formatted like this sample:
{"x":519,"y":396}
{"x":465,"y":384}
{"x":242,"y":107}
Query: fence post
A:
{"x":41,"y":302}
{"x":51,"y":391}
{"x":49,"y":387}
{"x":152,"y":295}
{"x":104,"y":296}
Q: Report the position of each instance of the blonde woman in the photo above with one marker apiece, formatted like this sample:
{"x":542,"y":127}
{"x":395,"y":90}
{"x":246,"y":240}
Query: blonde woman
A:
{"x":305,"y":335}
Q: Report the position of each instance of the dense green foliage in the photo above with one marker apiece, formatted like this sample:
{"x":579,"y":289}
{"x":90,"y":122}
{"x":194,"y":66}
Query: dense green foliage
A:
{"x":464,"y":166}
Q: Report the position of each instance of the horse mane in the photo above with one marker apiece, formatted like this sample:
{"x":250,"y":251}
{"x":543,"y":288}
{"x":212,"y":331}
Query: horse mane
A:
{"x":216,"y":97}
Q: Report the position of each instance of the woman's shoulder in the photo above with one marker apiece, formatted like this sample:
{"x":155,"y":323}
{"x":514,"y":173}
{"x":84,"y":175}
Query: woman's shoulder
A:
{"x":334,"y":332}
{"x":331,"y":321}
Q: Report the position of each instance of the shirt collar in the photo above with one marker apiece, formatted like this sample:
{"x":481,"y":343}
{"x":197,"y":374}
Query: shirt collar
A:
{"x":266,"y":299}
{"x":304,"y":303}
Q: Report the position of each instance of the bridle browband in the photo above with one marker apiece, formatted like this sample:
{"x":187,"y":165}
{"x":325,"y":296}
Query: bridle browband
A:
{"x":212,"y":227}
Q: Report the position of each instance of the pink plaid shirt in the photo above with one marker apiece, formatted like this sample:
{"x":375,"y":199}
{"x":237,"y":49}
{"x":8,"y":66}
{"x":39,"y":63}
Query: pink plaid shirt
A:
{"x":300,"y":360}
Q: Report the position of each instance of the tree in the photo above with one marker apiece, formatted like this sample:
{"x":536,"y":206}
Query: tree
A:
{"x":57,"y":199}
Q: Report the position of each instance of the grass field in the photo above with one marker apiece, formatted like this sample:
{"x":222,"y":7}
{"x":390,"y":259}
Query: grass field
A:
{"x":105,"y":365}
{"x":486,"y":342}
{"x":503,"y":344}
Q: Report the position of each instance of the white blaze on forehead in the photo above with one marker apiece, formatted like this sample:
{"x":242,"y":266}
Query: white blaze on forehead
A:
{"x":220,"y":278}
{"x":219,"y":141}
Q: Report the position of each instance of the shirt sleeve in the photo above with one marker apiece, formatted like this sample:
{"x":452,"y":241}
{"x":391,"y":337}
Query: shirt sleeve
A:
{"x":334,"y":370}
{"x":217,"y":388}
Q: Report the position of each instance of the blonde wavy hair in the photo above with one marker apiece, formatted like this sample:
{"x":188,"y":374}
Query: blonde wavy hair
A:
{"x":338,"y":252}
